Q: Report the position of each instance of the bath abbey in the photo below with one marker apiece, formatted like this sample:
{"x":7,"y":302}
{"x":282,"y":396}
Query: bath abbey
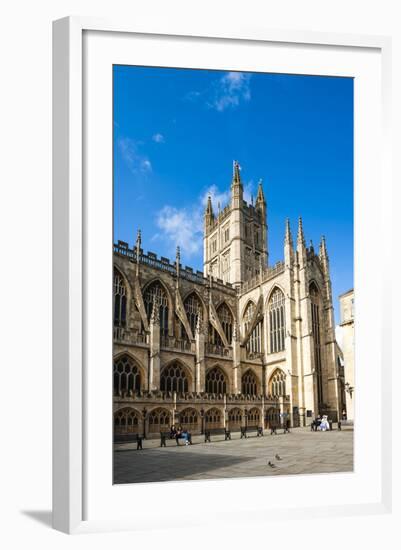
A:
{"x":241,"y":343}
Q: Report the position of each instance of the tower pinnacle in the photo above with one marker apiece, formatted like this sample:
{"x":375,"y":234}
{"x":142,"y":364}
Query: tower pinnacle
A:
{"x":323,"y":248}
{"x":209,"y":208}
{"x":323,"y":255}
{"x":288,"y":236}
{"x":260,"y":198}
{"x":236,"y":173}
{"x":300,"y":237}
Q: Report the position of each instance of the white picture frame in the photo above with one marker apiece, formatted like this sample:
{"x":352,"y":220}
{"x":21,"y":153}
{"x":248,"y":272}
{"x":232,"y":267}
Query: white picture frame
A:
{"x":71,"y":223}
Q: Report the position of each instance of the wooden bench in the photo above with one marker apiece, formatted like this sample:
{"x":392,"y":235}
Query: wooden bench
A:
{"x":345,"y":423}
{"x":275,"y":427}
{"x":164,"y":436}
{"x":217,"y":431}
{"x":250,"y":429}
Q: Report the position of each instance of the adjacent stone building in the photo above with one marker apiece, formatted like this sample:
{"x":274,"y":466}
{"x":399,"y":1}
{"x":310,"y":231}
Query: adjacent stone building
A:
{"x":347,"y":345}
{"x":242,"y":343}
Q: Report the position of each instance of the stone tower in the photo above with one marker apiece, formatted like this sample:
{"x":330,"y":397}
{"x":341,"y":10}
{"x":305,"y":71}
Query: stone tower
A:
{"x":235,"y":240}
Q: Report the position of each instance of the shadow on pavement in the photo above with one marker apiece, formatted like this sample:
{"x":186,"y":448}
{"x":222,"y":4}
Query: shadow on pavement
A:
{"x":165,"y":466}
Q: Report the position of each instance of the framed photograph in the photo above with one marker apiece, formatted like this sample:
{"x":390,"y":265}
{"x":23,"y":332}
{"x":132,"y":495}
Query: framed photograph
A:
{"x":219,"y":201}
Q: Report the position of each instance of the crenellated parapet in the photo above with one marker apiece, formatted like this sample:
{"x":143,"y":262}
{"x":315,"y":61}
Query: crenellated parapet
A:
{"x":122,"y":249}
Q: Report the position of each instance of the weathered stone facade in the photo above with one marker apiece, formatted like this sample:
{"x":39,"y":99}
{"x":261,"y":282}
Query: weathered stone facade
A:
{"x":253,"y":349}
{"x":347,"y":345}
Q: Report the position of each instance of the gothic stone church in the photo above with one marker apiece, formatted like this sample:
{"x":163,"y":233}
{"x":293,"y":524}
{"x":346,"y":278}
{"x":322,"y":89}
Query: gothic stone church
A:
{"x":241,"y":344}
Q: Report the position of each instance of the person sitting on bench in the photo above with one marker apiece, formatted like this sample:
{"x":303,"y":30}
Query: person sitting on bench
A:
{"x":286,"y":426}
{"x":178,"y":434}
{"x":173,"y":432}
{"x":316,"y":423}
{"x":186,"y":436}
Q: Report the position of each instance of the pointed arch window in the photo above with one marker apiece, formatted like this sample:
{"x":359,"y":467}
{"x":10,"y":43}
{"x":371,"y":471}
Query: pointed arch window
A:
{"x":120,"y":300}
{"x":254,"y":344}
{"x":174,"y":378}
{"x":216,"y":381}
{"x":156,"y":294}
{"x":277,"y":384}
{"x":249,"y":383}
{"x":316,"y":332}
{"x":126,"y":376}
{"x":277,"y":321}
{"x":192,"y":306}
{"x":226,"y":319}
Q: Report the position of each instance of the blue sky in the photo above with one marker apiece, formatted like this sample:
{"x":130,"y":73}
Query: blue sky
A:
{"x":177,"y":132}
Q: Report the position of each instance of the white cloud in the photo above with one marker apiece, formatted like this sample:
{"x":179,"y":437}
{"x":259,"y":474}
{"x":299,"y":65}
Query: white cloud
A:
{"x":218,"y":197}
{"x":226,"y":92}
{"x":135,"y":160}
{"x":145,"y":165}
{"x":158,"y":138}
{"x":181,"y":227}
{"x":230,"y":90}
{"x":249,"y":191}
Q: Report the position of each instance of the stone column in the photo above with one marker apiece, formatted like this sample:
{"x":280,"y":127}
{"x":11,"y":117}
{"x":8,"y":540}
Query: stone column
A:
{"x":224,"y":411}
{"x":281,"y":404}
{"x":176,"y":414}
{"x":263,"y":412}
{"x":154,"y":349}
{"x":236,"y":360}
{"x":199,"y":356}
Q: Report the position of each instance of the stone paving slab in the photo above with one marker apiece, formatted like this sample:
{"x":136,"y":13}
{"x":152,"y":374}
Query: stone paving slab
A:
{"x":302,"y":452}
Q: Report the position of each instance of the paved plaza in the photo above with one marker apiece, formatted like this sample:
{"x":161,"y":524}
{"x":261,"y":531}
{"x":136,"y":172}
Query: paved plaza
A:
{"x":301,"y":452}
